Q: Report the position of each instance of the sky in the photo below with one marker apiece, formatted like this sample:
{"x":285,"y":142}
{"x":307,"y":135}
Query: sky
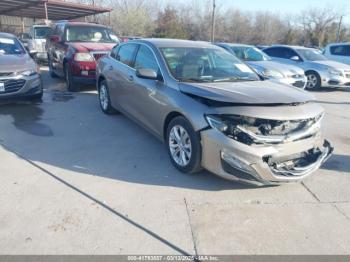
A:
{"x":286,"y":6}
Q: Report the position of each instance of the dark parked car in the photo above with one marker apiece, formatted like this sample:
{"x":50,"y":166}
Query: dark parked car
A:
{"x":19,"y":74}
{"x":75,"y":47}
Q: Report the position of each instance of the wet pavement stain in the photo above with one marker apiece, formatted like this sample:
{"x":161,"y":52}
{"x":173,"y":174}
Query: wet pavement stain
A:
{"x":58,"y":96}
{"x":26,"y":117}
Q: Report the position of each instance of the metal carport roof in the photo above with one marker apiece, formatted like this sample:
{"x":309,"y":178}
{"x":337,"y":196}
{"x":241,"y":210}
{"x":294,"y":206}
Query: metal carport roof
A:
{"x":48,"y":9}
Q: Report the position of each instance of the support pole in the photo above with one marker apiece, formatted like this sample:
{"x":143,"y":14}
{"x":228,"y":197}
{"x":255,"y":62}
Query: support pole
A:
{"x":339,"y":27}
{"x":46,"y":14}
{"x":213,"y":23}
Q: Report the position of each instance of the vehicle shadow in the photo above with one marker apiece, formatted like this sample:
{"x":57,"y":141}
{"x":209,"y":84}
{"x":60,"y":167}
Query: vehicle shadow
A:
{"x":69,"y":131}
{"x":339,"y":163}
{"x":330,"y":90}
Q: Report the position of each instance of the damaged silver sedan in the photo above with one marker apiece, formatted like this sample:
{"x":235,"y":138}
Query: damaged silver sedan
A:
{"x":214,"y":112}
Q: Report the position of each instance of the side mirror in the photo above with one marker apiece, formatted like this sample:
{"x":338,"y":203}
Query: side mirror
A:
{"x":295,"y":58}
{"x":33,"y":53}
{"x":55,"y":38}
{"x":147,"y":73}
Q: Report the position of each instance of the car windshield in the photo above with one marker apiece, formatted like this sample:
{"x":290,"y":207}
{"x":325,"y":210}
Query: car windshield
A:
{"x":206,"y":65}
{"x":250,"y":53}
{"x":90,"y":34}
{"x":11,"y":46}
{"x":311,"y":55}
{"x":41,"y":32}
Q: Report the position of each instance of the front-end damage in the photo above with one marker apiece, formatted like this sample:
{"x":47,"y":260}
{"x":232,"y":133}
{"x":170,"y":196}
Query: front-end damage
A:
{"x":268,"y":150}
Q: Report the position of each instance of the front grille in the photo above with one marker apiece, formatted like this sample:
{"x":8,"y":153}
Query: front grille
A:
{"x":299,"y":84}
{"x":99,"y":55}
{"x":12,"y":85}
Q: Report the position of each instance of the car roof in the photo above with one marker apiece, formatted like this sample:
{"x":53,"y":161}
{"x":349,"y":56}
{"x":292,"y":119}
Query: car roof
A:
{"x":164,"y":42}
{"x":79,"y":23}
{"x":290,"y":46}
{"x":40,"y":25}
{"x":7,"y":35}
{"x":234,"y":44}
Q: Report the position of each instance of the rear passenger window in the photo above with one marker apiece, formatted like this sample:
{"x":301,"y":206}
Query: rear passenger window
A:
{"x":340,"y":50}
{"x":126,"y":54}
{"x":145,"y":59}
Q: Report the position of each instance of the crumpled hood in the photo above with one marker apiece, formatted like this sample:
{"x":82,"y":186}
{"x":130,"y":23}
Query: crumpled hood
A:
{"x":334,"y":64}
{"x":91,"y":46}
{"x":16,"y":63}
{"x":286,"y":70}
{"x":250,"y":92}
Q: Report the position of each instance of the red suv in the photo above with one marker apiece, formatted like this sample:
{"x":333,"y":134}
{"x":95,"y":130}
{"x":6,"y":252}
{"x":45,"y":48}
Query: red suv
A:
{"x":74,"y":49}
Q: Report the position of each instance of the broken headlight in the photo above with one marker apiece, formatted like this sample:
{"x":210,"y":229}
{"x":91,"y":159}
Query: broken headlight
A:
{"x":249,"y":130}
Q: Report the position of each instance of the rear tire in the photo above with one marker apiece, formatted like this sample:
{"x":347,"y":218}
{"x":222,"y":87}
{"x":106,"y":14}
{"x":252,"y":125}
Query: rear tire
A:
{"x":313,"y":81}
{"x":184,"y":146}
{"x":71,"y":85}
{"x":104,"y":99}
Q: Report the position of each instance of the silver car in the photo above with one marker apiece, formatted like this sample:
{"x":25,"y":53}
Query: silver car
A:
{"x":213,"y":112}
{"x":264,"y":66}
{"x":320,"y":71}
{"x":19,"y":74}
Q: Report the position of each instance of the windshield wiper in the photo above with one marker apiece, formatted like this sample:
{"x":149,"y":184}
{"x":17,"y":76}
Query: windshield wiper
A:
{"x":198,"y":80}
{"x":234,"y":79}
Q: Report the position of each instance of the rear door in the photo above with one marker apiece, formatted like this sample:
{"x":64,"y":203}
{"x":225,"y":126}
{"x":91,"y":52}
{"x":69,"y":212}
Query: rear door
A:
{"x":121,"y":76}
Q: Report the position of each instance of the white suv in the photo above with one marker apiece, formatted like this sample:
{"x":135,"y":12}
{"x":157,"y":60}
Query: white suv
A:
{"x":339,"y":52}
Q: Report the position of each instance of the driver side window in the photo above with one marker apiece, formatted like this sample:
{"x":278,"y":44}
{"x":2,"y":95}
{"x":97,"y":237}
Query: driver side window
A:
{"x":146,"y":60}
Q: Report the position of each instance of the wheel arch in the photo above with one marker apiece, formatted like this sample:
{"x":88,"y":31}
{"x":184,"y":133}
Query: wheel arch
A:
{"x":167,"y":121}
{"x":99,"y":80}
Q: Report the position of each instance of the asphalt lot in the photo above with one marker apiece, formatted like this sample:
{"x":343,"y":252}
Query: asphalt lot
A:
{"x":75,"y":181}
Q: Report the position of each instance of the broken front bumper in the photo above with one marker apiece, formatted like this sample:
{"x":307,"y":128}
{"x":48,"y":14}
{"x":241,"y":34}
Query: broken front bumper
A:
{"x":263,"y":164}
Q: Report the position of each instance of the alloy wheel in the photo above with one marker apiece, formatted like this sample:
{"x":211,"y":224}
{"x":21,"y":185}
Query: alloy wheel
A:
{"x":104,"y":97}
{"x":311,"y":81}
{"x":180,"y":146}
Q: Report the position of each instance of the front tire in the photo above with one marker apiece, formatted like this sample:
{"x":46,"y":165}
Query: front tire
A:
{"x":313,"y":81}
{"x":71,"y":85}
{"x":104,"y":99}
{"x":51,"y":70}
{"x":184,"y":147}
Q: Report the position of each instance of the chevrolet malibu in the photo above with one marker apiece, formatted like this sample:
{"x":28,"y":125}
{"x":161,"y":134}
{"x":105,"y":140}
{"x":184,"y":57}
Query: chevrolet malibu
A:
{"x":213,"y":112}
{"x":19,"y":74}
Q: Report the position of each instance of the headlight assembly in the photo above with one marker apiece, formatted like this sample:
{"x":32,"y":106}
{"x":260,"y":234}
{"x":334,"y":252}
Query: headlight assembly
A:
{"x":27,"y":73}
{"x":249,"y":130}
{"x":83,"y":57}
{"x":272,"y":73}
{"x":335,"y":72}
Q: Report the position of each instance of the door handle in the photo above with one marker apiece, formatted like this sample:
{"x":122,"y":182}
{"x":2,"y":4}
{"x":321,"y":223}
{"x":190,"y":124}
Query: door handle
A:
{"x":131,"y":78}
